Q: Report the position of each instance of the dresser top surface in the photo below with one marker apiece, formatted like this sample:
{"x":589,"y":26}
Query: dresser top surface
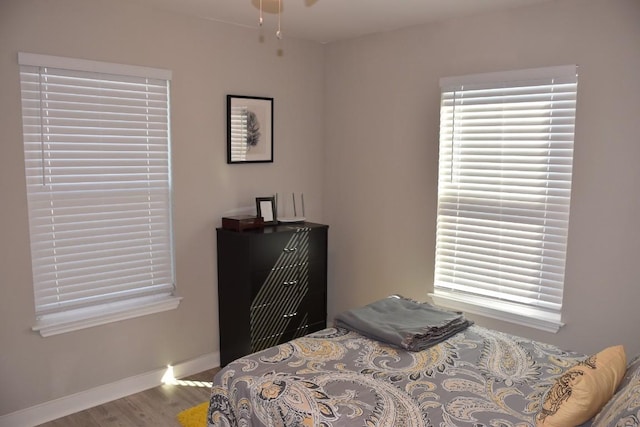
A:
{"x":268,"y":229}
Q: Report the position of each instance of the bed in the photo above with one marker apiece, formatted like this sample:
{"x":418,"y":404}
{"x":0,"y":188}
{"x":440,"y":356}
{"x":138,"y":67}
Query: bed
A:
{"x":478,"y":376}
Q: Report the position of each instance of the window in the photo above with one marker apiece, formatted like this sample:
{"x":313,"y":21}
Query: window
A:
{"x":505,"y":164}
{"x":97,"y":163}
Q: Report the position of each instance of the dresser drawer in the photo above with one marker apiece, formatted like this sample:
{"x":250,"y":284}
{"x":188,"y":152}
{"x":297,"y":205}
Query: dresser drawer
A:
{"x":290,"y":308}
{"x":280,"y":249}
{"x":269,"y":285}
{"x":291,"y":313}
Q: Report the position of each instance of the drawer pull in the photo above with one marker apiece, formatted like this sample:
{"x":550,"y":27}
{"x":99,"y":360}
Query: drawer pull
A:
{"x":290,"y":315}
{"x":290,"y":283}
{"x":290,"y":249}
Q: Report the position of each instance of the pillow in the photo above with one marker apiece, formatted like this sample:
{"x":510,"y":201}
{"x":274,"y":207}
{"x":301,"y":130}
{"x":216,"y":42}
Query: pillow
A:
{"x":624,"y":408}
{"x":582,"y":390}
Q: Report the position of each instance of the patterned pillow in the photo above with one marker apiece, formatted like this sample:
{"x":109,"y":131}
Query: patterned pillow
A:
{"x":582,"y":390}
{"x":624,"y":408}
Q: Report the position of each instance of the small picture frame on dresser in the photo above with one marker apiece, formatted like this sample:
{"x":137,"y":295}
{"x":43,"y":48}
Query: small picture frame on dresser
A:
{"x":266,"y":208}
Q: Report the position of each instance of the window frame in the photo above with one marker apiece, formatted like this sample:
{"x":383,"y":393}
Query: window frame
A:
{"x":480,"y":300}
{"x":135,"y":304}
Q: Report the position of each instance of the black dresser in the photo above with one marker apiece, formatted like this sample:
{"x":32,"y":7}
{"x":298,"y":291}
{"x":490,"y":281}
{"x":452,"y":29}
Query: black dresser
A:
{"x":272,"y":286}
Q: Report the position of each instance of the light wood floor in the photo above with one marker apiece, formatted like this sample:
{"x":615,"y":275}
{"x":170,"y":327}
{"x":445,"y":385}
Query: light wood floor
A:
{"x":156,"y":407}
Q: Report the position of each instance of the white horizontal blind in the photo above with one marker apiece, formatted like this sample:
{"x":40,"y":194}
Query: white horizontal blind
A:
{"x":97,"y":161}
{"x":506,"y":149}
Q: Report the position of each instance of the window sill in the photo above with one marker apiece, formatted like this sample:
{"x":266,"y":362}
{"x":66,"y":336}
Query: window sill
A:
{"x":60,"y":323}
{"x":499,"y":310}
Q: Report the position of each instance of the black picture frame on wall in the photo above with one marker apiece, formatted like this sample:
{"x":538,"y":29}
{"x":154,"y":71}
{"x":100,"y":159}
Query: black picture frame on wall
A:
{"x":266,"y":208}
{"x":249,"y":129}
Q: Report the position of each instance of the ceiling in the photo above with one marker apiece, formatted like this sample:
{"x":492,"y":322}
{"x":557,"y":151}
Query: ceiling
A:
{"x":331,"y":20}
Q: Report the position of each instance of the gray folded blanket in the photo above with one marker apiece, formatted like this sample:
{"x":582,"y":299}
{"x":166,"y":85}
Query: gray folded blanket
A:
{"x":402,"y":322}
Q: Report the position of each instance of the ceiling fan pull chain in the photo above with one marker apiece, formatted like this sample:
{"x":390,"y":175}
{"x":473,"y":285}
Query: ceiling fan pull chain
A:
{"x":261,"y":20}
{"x":279,"y":33}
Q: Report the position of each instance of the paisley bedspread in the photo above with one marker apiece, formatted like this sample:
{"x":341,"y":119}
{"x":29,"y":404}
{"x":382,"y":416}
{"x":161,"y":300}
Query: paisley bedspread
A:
{"x":334,"y":377}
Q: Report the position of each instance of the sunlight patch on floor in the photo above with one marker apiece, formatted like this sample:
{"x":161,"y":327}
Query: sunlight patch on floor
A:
{"x":169,"y":378}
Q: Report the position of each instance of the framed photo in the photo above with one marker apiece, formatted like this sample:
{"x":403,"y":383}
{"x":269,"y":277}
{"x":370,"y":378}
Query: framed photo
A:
{"x":266,"y":208}
{"x":249,"y":129}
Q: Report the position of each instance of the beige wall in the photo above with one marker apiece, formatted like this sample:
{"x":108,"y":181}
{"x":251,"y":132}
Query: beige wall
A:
{"x":209,"y":61}
{"x":382,"y":100}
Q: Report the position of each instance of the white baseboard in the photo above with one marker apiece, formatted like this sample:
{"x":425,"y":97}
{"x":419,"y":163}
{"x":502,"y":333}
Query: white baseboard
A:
{"x":67,"y":405}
